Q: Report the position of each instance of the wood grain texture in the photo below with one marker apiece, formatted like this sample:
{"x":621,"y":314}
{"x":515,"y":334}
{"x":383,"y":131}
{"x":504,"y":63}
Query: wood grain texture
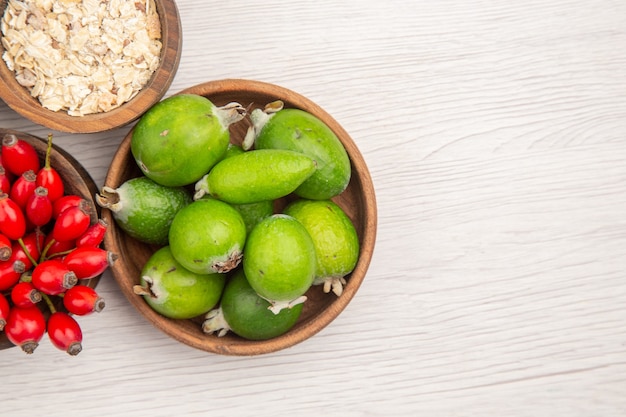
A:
{"x":495,"y":134}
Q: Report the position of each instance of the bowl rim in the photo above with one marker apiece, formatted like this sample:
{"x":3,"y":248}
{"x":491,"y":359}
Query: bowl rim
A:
{"x":322,"y":319}
{"x":19,"y":99}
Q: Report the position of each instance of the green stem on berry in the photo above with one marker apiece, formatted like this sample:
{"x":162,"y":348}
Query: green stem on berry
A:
{"x":57,"y":254}
{"x":26,"y":251}
{"x":49,"y":302}
{"x":46,"y":248}
{"x":48,"y":151}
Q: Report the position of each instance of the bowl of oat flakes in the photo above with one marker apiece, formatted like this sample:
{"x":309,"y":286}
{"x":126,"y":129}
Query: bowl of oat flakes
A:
{"x":85,"y":66}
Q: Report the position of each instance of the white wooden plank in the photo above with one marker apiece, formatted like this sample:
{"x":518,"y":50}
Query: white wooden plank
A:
{"x":495,"y":133}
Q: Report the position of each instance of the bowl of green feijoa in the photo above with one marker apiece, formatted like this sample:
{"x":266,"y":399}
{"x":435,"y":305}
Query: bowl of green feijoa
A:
{"x":295,"y":248}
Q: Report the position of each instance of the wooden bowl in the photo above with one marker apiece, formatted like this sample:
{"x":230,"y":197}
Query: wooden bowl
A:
{"x":358,"y":200}
{"x":19,"y":99}
{"x":76,"y":180}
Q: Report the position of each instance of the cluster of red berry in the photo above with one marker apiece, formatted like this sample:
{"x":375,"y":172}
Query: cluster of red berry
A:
{"x":49,"y":250}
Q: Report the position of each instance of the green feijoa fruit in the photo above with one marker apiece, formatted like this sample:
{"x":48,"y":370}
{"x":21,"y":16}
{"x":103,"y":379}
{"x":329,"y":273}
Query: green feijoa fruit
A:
{"x":335,"y":238}
{"x":279,"y":261}
{"x":246,"y":314}
{"x":233,"y":150}
{"x":208,"y":236}
{"x":258,"y":175}
{"x":300,"y":131}
{"x":175,"y":292}
{"x":180,"y":138}
{"x":143,"y":208}
{"x":253,"y":213}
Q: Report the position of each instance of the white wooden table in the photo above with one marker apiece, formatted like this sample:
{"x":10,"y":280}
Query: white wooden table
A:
{"x":495,"y":133}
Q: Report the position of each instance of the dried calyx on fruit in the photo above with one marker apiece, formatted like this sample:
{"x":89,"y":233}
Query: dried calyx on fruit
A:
{"x":143,"y":208}
{"x":49,"y":251}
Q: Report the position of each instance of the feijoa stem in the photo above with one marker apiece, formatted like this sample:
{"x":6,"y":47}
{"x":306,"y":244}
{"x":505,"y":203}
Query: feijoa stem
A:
{"x":108,"y":198}
{"x":231,"y":113}
{"x":144,"y":291}
{"x":248,"y":140}
{"x":230,"y":263}
{"x":215,"y":322}
{"x":276,"y":306}
{"x":259,"y":118}
{"x":335,"y":284}
{"x":201,"y":187}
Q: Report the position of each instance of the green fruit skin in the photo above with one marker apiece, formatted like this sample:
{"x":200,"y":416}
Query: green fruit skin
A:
{"x":279,"y":258}
{"x":258,"y":175}
{"x":253,"y":213}
{"x":205,"y":233}
{"x":333,"y":233}
{"x":180,"y":293}
{"x":232,"y":150}
{"x":300,"y":131}
{"x":146,"y":209}
{"x":179,"y":139}
{"x":248,"y":315}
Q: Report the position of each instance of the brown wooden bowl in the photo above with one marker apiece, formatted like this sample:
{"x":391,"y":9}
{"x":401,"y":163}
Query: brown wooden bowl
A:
{"x":19,"y":99}
{"x":358,"y":200}
{"x":76,"y":180}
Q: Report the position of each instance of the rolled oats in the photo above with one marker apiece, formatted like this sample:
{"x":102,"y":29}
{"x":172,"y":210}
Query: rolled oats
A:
{"x":81,"y":56}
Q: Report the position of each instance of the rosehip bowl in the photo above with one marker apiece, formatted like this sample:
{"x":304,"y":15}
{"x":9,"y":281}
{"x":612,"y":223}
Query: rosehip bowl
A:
{"x":320,"y":309}
{"x":20,"y":99}
{"x":76,"y":180}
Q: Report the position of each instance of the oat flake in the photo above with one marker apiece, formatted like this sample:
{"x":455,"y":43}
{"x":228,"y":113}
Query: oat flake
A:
{"x":81,"y":56}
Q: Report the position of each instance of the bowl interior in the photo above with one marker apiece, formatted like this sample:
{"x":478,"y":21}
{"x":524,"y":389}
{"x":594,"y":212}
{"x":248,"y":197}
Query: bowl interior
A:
{"x":358,"y":201}
{"x":76,"y":180}
{"x":19,"y":99}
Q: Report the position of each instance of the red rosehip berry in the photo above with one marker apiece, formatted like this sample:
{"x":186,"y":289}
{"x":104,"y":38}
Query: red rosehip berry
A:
{"x":88,"y":262}
{"x":65,"y":333}
{"x":30,"y":251}
{"x":12,"y":220}
{"x":23,"y":187}
{"x":18,"y":155}
{"x":39,"y":207}
{"x":65,"y":202}
{"x":82,"y":300}
{"x":54,"y":248}
{"x":72,"y":222}
{"x":94,"y":234}
{"x":4,"y":311}
{"x":10,"y":272}
{"x":5,"y":181}
{"x":25,"y":327}
{"x":24,"y":294}
{"x":49,"y":178}
{"x":52,"y":277}
{"x":5,"y":248}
